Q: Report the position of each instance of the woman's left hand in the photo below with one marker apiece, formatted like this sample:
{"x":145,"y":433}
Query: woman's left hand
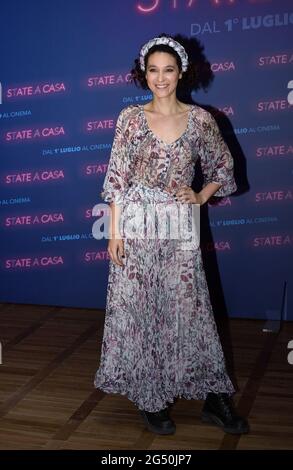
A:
{"x":187,"y":195}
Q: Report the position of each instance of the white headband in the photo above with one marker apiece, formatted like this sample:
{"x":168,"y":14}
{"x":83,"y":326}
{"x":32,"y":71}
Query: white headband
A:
{"x":169,"y":42}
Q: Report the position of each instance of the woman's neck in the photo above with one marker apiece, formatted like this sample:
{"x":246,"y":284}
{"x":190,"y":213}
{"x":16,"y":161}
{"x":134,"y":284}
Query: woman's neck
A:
{"x":165,"y":106}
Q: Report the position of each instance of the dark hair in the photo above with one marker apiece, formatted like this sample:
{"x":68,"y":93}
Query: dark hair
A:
{"x":137,"y":75}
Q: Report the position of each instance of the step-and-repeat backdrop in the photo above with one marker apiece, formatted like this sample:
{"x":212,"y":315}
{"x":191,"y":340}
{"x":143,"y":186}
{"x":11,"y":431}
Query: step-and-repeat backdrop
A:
{"x":64,"y":78}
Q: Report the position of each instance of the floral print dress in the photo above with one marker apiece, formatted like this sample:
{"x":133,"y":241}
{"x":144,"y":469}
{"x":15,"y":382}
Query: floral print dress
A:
{"x":160,"y":339}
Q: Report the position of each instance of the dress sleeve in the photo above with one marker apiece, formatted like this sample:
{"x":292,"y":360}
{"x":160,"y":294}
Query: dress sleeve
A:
{"x":116,"y":178}
{"x":216,"y":160}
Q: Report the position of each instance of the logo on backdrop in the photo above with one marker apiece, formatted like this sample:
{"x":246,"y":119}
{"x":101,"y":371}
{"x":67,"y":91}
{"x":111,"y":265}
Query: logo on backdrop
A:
{"x":100,"y":125}
{"x":279,"y":150}
{"x":276,"y":59}
{"x":36,"y":262}
{"x":50,"y":218}
{"x":273,"y":105}
{"x":281,"y":195}
{"x":108,"y":80}
{"x":34,"y":133}
{"x":35,"y":90}
{"x":34,"y":177}
{"x":272,"y":241}
{"x":151,"y":6}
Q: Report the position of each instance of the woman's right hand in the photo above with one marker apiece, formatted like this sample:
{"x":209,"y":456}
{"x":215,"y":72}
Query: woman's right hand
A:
{"x":116,"y":250}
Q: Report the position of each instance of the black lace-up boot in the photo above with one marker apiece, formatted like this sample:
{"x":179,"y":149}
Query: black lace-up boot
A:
{"x":159,"y":422}
{"x":218,"y":409}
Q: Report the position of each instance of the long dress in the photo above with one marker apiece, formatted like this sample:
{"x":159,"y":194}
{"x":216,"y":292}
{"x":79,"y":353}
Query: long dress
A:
{"x":160,"y":339}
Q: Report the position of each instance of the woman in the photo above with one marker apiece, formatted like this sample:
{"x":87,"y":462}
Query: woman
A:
{"x":160,"y":339}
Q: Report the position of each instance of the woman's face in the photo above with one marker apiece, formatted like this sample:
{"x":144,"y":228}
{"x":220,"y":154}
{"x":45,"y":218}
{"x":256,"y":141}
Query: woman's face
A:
{"x":162,"y":73}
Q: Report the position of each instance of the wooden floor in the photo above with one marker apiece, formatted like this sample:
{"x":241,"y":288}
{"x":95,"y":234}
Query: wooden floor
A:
{"x":47,"y":398}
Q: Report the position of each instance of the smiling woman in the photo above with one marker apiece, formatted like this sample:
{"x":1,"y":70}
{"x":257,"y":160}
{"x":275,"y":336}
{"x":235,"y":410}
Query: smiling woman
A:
{"x":189,"y":69}
{"x":160,"y":338}
{"x":163,"y":71}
